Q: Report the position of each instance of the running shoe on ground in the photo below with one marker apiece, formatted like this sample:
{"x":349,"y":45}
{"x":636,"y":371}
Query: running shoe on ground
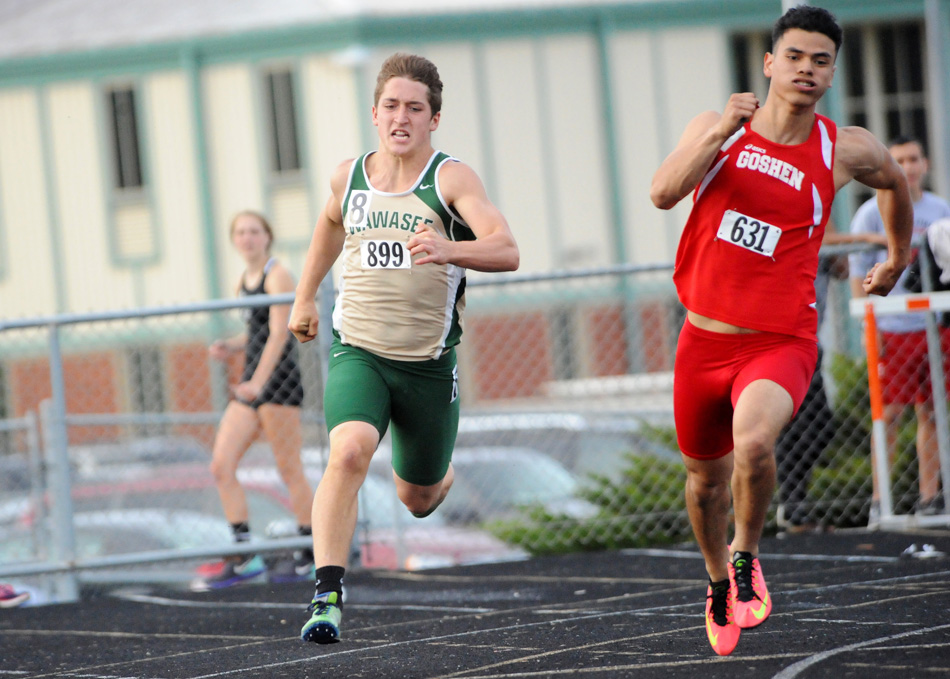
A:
{"x":753,"y":603}
{"x":874,"y":515}
{"x":324,"y":624}
{"x":298,"y":568}
{"x":206,"y":570}
{"x":10,"y":598}
{"x":721,"y":630}
{"x":236,"y":570}
{"x":931,"y":507}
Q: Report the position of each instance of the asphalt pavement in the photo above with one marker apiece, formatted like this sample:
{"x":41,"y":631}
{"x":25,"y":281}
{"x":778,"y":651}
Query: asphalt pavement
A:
{"x":846,"y":604}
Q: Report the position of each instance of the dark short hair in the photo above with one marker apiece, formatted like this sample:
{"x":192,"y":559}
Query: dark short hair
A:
{"x":902,"y":139}
{"x":811,"y":19}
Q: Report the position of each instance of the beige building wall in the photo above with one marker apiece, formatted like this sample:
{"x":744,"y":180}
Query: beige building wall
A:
{"x":331,"y":100}
{"x":576,"y":159}
{"x":28,"y":287}
{"x":526,"y":114}
{"x":460,"y":129}
{"x":656,"y":95}
{"x":234,"y":159}
{"x":512,"y":106}
{"x":178,"y":276}
{"x":92,"y":282}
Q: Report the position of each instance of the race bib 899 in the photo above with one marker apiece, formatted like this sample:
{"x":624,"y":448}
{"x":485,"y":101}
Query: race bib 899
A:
{"x":749,"y":233}
{"x":384,"y":254}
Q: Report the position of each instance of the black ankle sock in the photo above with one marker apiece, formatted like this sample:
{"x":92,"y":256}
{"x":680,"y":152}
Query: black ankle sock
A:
{"x":719,"y":585}
{"x":330,"y":579}
{"x":741,"y":555}
{"x":241,"y":531}
{"x":306,"y":530}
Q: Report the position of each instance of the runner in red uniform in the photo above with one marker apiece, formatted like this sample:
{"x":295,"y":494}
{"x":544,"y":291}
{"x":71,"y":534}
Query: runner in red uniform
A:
{"x":763,"y":180}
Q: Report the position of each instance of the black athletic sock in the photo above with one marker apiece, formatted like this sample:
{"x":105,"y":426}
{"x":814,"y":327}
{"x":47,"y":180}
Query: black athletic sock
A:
{"x":722,"y":584}
{"x":306,"y":530}
{"x":330,"y":579}
{"x":241,"y":531}
{"x":748,"y":556}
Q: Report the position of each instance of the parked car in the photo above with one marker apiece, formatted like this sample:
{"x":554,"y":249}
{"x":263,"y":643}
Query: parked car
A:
{"x":499,"y":482}
{"x":111,"y":532}
{"x":96,"y":460}
{"x":584,"y":443}
{"x":177,"y":507}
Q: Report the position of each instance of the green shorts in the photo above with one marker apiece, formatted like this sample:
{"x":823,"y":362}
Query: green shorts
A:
{"x":419,"y":398}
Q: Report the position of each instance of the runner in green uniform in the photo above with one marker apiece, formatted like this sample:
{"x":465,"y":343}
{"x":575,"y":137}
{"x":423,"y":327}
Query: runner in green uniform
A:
{"x":408,"y":221}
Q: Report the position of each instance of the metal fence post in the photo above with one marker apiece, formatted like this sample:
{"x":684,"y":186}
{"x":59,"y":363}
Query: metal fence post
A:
{"x":878,"y":428}
{"x":937,"y":383}
{"x":59,"y":482}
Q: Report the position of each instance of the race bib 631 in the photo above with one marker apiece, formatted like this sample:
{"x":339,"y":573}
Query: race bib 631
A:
{"x":747,"y":232}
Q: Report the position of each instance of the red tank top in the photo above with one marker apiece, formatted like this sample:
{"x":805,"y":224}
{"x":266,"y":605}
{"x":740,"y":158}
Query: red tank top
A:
{"x":749,"y":252}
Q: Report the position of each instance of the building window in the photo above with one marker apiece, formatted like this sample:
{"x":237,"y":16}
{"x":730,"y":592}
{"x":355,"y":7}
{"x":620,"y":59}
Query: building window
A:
{"x":884,"y":85}
{"x":282,"y":121}
{"x":124,"y":135}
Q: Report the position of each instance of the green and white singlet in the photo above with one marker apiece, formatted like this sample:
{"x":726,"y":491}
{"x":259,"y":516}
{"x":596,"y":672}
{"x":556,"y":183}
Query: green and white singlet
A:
{"x":387,"y":304}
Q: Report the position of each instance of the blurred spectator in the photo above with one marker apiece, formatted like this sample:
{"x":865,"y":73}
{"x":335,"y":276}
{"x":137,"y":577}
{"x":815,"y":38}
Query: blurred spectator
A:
{"x":267,"y":399}
{"x":903,"y":339}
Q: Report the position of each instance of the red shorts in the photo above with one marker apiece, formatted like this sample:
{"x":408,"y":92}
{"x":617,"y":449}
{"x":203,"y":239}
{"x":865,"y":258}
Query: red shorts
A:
{"x":713,"y":368}
{"x":905,"y":368}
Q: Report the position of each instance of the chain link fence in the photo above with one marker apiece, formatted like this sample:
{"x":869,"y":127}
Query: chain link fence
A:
{"x":566,"y":441}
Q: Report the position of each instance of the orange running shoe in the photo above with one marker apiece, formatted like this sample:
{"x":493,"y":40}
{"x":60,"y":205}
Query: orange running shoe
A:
{"x":753,"y":603}
{"x":721,"y":630}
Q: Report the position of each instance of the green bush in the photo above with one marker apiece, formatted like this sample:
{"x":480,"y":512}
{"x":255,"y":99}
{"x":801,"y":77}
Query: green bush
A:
{"x":644,"y":507}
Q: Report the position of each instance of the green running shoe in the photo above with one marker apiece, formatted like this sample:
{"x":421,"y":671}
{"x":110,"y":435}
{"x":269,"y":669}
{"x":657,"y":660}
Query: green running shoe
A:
{"x":324,"y":625}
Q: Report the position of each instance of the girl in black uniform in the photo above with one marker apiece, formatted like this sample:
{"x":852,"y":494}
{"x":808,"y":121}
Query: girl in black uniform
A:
{"x":267,"y":398}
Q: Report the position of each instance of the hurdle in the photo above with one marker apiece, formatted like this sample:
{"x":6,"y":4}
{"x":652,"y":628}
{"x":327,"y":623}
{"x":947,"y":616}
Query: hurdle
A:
{"x":870,"y":308}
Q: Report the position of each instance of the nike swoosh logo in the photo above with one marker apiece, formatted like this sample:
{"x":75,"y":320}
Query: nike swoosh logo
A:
{"x":425,"y":186}
{"x":713,"y":638}
{"x":339,"y":353}
{"x":759,"y":612}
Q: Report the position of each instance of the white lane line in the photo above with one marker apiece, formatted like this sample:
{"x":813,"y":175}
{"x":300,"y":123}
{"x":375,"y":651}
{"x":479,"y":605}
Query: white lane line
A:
{"x":374,"y":648}
{"x":685,"y":554}
{"x":793,"y":671}
{"x":131,"y":635}
{"x":612,"y":670}
{"x":508,"y":628}
{"x":184,"y":603}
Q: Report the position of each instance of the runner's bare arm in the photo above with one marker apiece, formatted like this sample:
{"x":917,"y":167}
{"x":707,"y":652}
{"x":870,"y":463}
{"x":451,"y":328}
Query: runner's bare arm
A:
{"x":859,"y":155}
{"x":494,"y":248}
{"x":325,"y":246}
{"x":684,"y":168}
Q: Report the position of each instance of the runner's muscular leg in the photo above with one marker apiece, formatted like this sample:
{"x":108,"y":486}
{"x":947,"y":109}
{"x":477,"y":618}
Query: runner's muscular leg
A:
{"x":423,"y":500}
{"x":335,"y":504}
{"x":762,"y":410}
{"x":707,"y":501}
